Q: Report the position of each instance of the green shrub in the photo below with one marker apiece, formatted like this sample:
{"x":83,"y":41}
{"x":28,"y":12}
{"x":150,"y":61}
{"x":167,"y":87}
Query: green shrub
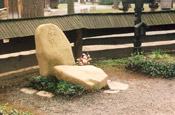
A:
{"x":69,"y":89}
{"x":56,"y":86}
{"x":43,"y":83}
{"x":106,"y":2}
{"x":151,"y":66}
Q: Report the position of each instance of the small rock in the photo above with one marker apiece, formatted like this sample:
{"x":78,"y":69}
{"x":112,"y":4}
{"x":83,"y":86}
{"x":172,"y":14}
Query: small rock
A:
{"x":28,"y":90}
{"x":113,"y":85}
{"x":108,"y":81}
{"x":110,"y":91}
{"x":45,"y":94}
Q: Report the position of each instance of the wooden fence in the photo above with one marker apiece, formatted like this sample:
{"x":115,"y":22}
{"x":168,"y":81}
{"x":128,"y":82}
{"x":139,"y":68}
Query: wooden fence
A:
{"x":20,"y":53}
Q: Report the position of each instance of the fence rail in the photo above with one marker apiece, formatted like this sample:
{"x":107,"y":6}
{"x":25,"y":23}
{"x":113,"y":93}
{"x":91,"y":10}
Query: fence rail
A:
{"x":17,"y":36}
{"x":23,"y":59}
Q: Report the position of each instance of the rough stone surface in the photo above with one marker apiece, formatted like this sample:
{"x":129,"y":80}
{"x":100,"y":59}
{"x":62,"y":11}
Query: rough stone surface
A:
{"x":111,"y":92}
{"x":52,"y":48}
{"x":28,"y":90}
{"x":90,"y":77}
{"x":113,"y":85}
{"x":45,"y":94}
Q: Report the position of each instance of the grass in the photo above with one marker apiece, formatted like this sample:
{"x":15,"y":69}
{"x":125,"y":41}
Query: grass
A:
{"x":62,"y":6}
{"x":110,"y":64}
{"x":7,"y":110}
{"x":106,"y":11}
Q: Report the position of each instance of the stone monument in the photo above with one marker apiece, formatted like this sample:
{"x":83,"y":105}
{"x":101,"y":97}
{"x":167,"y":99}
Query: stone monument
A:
{"x":55,"y":58}
{"x":52,"y":48}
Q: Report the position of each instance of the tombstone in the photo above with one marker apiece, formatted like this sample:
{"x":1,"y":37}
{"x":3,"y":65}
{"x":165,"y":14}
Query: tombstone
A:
{"x":52,"y":48}
{"x":55,"y":55}
{"x":166,"y":4}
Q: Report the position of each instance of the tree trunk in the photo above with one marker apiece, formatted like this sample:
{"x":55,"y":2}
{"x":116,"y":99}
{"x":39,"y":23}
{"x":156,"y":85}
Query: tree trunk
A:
{"x":115,"y":6}
{"x":32,"y":8}
{"x":82,"y":1}
{"x":70,"y":7}
{"x":93,"y":1}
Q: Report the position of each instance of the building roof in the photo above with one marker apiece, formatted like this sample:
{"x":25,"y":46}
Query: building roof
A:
{"x":26,"y":27}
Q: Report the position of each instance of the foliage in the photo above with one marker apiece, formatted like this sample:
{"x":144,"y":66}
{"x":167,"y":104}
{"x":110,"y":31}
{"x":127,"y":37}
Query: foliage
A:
{"x":69,"y":89}
{"x":43,"y":83}
{"x":158,"y":54}
{"x":6,"y":110}
{"x":158,"y":64}
{"x":106,"y":2}
{"x":56,"y":86}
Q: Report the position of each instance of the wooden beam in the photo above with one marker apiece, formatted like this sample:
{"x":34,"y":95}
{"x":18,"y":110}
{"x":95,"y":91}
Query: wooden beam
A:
{"x":78,"y":43}
{"x":16,"y":62}
{"x":17,"y":45}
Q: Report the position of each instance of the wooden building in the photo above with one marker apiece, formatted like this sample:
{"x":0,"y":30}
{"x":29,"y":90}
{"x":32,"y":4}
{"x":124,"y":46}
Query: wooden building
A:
{"x":54,"y":3}
{"x":24,"y":8}
{"x":166,"y":4}
{"x":2,"y":4}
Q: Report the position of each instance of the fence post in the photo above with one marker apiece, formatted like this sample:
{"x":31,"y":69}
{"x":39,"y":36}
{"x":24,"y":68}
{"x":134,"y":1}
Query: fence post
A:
{"x":78,"y":43}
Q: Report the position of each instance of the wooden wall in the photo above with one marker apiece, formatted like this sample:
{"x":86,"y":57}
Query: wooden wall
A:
{"x":13,"y":9}
{"x":32,"y":8}
{"x":54,"y":3}
{"x":2,"y":4}
{"x":25,"y":8}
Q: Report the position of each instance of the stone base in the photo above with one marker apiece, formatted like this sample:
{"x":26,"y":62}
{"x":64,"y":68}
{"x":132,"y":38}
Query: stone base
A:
{"x":90,"y":77}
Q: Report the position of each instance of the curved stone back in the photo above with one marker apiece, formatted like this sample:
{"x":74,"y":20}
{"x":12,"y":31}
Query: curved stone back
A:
{"x":52,"y":48}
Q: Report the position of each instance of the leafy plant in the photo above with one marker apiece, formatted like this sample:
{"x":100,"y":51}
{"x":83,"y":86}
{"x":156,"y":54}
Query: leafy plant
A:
{"x":43,"y":83}
{"x":151,"y":66}
{"x":56,"y":86}
{"x":69,"y":89}
{"x":6,"y":110}
{"x":158,"y":54}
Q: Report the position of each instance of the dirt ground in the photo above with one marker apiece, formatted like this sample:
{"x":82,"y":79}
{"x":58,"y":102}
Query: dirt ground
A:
{"x":145,"y":96}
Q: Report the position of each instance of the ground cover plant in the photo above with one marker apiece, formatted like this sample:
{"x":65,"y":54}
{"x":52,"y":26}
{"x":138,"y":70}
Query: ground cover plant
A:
{"x":6,"y":110}
{"x":155,"y":64}
{"x":58,"y":87}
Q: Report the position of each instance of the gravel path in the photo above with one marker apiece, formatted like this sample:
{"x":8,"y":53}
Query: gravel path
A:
{"x":145,"y":96}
